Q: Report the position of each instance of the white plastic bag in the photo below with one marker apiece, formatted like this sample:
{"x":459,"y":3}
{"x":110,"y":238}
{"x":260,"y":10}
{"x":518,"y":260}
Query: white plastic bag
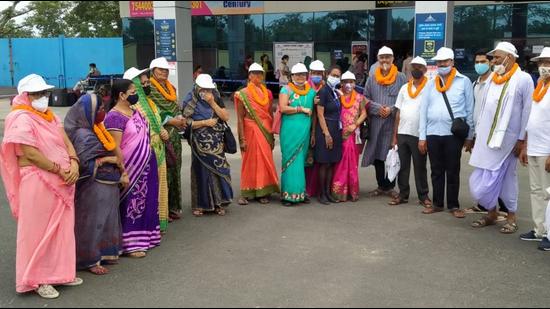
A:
{"x":393,"y":165}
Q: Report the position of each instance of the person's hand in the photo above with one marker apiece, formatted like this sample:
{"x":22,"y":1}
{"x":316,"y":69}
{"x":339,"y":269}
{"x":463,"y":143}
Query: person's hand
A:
{"x":312,"y":140}
{"x":518,"y":148}
{"x":423,"y":147}
{"x":125,"y":180}
{"x":164,"y":135}
{"x":468,"y":145}
{"x":243,"y":145}
{"x":306,"y":111}
{"x":328,"y":141}
{"x":524,"y":159}
{"x":384,"y":112}
{"x":209,"y":98}
{"x":394,"y":141}
{"x":71,"y":175}
{"x":211,"y":122}
{"x":317,"y":100}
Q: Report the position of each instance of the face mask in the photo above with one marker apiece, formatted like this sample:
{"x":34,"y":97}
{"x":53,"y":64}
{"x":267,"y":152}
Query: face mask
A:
{"x":133,"y":99}
{"x":481,"y":68}
{"x":385,"y":66}
{"x":349,"y":87}
{"x":500,"y":68}
{"x":444,"y":71}
{"x":333,"y":81}
{"x":41,"y":104}
{"x":416,"y":74}
{"x":316,"y":79}
{"x":544,"y":72}
{"x":299,"y":84}
{"x":99,"y":117}
{"x":147,"y":90}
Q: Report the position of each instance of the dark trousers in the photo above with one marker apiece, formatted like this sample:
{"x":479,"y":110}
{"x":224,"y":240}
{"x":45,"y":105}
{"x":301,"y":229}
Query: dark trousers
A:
{"x":408,"y":149}
{"x":383,"y":182}
{"x":445,"y":153}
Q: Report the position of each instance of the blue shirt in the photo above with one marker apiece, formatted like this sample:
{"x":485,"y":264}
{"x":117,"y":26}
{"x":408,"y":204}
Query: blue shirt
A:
{"x":434,"y":115}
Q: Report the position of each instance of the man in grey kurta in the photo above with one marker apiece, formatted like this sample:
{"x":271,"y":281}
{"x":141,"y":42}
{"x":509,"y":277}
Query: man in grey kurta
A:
{"x":500,"y":134}
{"x":381,"y":112}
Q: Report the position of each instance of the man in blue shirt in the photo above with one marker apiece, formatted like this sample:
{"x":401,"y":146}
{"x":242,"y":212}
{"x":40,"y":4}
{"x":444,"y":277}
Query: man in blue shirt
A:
{"x":435,"y":137}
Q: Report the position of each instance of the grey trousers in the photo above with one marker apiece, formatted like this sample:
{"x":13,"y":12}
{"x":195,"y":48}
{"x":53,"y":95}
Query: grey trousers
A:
{"x":408,"y":148}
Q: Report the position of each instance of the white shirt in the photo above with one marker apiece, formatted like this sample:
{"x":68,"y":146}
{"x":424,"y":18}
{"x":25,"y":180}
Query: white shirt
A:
{"x":479,"y":86}
{"x":538,"y":128}
{"x":409,"y":111}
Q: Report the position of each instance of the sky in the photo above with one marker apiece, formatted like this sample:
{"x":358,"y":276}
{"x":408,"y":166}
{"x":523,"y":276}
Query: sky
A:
{"x":23,"y":4}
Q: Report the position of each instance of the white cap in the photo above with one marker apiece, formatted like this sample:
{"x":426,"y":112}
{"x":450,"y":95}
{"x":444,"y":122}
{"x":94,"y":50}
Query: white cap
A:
{"x":132,"y":73}
{"x":506,"y":47}
{"x":205,"y":81}
{"x":444,"y":53}
{"x":544,"y":55}
{"x":348,"y":76}
{"x":255,"y":68}
{"x":160,"y":63}
{"x":385,"y":51}
{"x":298,"y":68}
{"x":32,"y":83}
{"x":317,"y":65}
{"x":419,"y":60}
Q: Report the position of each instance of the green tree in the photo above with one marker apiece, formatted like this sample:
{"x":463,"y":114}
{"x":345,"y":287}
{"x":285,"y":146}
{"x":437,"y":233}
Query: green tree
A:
{"x":8,"y":27}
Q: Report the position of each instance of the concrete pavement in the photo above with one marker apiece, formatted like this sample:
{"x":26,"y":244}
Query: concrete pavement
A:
{"x":363,"y":254}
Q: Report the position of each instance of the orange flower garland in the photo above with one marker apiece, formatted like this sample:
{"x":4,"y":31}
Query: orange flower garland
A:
{"x":104,"y":137}
{"x":418,"y":89}
{"x":499,"y":80}
{"x":252,"y":90}
{"x":351,"y":101}
{"x":48,"y":115}
{"x":449,"y":82}
{"x":388,"y":79}
{"x":540,"y":91}
{"x":171,"y":95}
{"x":298,"y":91}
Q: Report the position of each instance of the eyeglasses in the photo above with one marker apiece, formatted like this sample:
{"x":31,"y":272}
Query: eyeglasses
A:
{"x":41,"y":93}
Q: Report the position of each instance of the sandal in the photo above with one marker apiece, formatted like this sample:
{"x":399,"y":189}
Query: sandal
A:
{"x":220,"y":211}
{"x":198,"y":213}
{"x":47,"y":291}
{"x":432,"y":210}
{"x":242,"y":201}
{"x":398,"y":201}
{"x":427,"y":203}
{"x":76,"y":282}
{"x":174,"y":215}
{"x":483,"y":222}
{"x":137,"y":254}
{"x":458,"y":213}
{"x":263,"y":200}
{"x":98,"y":270}
{"x":475,"y":210}
{"x":375,"y":193}
{"x":509,"y":228}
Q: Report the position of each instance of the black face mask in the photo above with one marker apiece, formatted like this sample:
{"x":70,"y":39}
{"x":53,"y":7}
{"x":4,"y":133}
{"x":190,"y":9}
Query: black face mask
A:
{"x":147,"y":90}
{"x":417,"y":74}
{"x":133,"y":99}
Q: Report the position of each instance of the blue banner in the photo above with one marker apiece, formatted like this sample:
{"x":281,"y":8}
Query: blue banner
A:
{"x":165,"y":39}
{"x":429,"y":34}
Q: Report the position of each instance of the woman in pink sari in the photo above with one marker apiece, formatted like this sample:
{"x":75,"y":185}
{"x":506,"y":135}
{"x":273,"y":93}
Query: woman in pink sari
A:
{"x":39,"y":163}
{"x":345,"y":183}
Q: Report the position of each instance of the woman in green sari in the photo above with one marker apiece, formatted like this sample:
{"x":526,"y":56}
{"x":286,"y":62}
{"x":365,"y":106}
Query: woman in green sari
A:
{"x":295,"y":104}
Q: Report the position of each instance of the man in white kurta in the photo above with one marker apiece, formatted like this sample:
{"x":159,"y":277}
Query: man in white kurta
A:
{"x":500,"y":135}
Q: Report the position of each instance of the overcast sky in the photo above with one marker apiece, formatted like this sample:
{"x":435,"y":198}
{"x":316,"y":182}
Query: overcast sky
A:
{"x":23,"y":4}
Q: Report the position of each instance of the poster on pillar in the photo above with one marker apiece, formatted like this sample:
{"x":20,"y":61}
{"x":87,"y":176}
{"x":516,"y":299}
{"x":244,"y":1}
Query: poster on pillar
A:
{"x":165,"y":39}
{"x":429,"y":34}
{"x":296,"y":51}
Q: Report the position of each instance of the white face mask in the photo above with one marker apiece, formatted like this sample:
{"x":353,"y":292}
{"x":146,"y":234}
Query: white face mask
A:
{"x":385,"y":66}
{"x":500,"y":68}
{"x":333,"y":81}
{"x":41,"y":104}
{"x":544,"y":72}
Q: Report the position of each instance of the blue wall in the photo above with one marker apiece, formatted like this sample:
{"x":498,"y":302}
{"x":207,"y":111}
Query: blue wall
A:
{"x":61,"y":61}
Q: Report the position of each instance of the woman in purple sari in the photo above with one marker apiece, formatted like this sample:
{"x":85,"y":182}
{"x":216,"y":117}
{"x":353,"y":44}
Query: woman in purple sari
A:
{"x":97,"y":218}
{"x":139,"y":199}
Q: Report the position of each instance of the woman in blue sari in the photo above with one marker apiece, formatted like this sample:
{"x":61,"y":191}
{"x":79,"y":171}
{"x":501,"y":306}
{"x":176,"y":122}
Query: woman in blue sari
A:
{"x":210,"y":171}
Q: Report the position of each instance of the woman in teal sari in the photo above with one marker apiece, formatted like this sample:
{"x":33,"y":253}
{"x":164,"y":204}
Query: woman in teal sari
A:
{"x":295,"y":103}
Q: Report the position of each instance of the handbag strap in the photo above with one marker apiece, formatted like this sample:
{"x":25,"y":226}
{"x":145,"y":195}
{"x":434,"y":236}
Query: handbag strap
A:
{"x":446,"y":100}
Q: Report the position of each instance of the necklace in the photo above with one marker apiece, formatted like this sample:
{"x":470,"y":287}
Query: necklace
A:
{"x":351,"y":100}
{"x":254,"y":92}
{"x":298,"y":91}
{"x":499,"y":80}
{"x":48,"y":115}
{"x":448,"y":84}
{"x":418,"y":89}
{"x":388,"y":79}
{"x":540,"y":91}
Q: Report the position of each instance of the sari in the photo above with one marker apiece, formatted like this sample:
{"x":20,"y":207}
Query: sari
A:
{"x":345,"y":182}
{"x":210,"y":170}
{"x":258,"y":174}
{"x":295,"y":140}
{"x":168,"y":108}
{"x":45,"y":231}
{"x":149,"y":111}
{"x":139,"y":201}
{"x":97,"y":219}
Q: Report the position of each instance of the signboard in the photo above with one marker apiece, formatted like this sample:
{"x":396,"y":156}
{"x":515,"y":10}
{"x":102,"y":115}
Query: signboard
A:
{"x":338,"y":54}
{"x":296,"y":51}
{"x":460,"y":53}
{"x":537,"y":49}
{"x":165,"y":39}
{"x":206,"y":8}
{"x":394,"y":4}
{"x":141,"y":8}
{"x":429,"y":34}
{"x":359,"y":46}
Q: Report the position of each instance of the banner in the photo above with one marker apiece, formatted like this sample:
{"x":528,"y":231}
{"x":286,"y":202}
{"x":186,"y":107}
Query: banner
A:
{"x":359,"y":46}
{"x":207,"y":8}
{"x":141,"y":8}
{"x":429,"y":34}
{"x":297,"y":52}
{"x":165,"y":39}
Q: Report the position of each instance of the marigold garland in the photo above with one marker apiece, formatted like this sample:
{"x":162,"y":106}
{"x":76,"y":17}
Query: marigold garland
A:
{"x":418,"y":89}
{"x":171,"y":95}
{"x":449,"y":82}
{"x":388,"y":79}
{"x":540,"y":91}
{"x":499,"y":80}
{"x":298,"y":91}
{"x":252,"y":90}
{"x":48,"y":115}
{"x":351,"y":101}
{"x":104,"y":137}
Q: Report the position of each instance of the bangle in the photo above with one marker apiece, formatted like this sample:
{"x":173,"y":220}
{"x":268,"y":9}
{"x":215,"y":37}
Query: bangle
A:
{"x":75,"y":158}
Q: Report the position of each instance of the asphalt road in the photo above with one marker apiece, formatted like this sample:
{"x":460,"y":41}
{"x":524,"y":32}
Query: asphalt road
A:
{"x":363,"y":254}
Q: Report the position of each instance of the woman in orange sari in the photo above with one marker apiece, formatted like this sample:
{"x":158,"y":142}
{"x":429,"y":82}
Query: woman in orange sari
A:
{"x":255,"y":118}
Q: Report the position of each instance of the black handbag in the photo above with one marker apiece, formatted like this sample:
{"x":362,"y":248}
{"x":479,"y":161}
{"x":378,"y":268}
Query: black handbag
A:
{"x":459,"y":127}
{"x":229,"y":142}
{"x":364,"y":130}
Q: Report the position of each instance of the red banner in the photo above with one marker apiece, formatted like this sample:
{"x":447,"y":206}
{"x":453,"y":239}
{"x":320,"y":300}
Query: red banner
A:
{"x":141,"y":8}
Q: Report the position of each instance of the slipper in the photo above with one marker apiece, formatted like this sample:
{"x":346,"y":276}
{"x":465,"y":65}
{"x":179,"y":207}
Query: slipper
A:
{"x":483,"y":222}
{"x":509,"y":228}
{"x":397,"y":201}
{"x":98,"y":270}
{"x":427,"y":203}
{"x":242,"y":201}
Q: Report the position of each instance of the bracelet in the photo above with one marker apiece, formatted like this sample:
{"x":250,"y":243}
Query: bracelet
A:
{"x":75,"y":158}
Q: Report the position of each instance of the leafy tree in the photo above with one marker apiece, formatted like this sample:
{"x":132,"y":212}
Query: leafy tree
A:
{"x":8,"y":27}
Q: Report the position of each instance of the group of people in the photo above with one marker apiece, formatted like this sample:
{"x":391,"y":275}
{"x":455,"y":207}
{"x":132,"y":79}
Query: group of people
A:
{"x":109,"y":177}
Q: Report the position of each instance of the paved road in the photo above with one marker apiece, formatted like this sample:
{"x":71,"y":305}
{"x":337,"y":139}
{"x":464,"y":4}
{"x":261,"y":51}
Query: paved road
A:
{"x":363,"y":254}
